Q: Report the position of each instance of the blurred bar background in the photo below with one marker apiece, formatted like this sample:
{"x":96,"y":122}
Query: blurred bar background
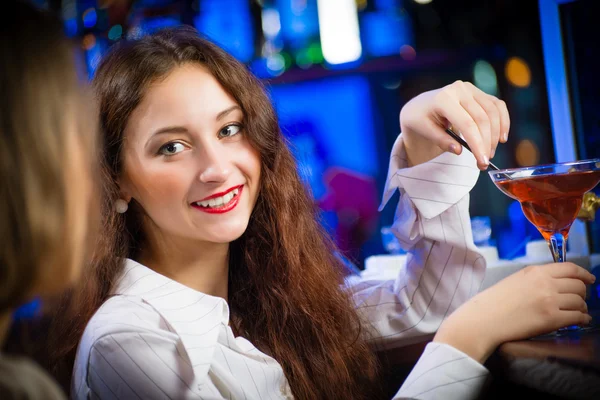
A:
{"x":339,"y":71}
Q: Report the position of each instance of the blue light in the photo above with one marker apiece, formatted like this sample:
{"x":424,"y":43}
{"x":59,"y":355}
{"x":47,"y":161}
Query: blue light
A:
{"x":259,"y":68}
{"x":299,"y":21}
{"x":384,"y":33}
{"x":340,"y":112}
{"x":28,"y":310}
{"x":387,"y":4}
{"x":90,"y":18}
{"x":71,"y":27}
{"x":151,"y":25}
{"x":229,"y":24}
{"x":93,"y":57}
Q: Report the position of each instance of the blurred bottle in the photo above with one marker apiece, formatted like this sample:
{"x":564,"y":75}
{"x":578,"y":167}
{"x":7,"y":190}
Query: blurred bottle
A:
{"x":390,"y":242}
{"x":496,"y":268}
{"x":482,"y":231}
{"x":537,"y":252}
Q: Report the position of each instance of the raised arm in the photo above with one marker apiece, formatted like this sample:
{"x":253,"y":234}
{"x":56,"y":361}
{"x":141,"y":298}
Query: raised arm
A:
{"x":434,"y":177}
{"x":443,"y":268}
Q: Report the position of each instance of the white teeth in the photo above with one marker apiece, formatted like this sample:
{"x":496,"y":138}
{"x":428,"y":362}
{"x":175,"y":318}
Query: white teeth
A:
{"x":219,"y":201}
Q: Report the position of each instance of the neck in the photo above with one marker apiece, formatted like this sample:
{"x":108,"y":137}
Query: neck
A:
{"x":5,"y":320}
{"x":201,"y":266}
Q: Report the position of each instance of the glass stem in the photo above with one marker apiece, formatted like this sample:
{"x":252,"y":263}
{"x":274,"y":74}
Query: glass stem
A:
{"x":558,"y":247}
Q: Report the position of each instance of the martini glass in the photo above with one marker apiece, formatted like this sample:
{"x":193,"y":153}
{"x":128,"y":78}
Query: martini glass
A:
{"x":551,"y":197}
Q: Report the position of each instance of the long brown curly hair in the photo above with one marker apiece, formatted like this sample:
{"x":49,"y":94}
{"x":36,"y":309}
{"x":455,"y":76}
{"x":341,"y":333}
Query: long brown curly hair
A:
{"x":284,"y":277}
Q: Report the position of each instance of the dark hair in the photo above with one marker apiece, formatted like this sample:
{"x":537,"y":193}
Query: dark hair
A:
{"x":284,"y":279}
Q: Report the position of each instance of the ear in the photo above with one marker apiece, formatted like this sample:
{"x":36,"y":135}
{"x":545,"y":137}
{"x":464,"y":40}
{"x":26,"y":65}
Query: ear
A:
{"x":125,"y":192}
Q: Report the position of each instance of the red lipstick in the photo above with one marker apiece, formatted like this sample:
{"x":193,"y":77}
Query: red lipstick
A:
{"x":224,"y":207}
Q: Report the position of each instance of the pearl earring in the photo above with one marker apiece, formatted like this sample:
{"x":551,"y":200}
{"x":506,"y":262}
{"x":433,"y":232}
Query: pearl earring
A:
{"x":121,"y":206}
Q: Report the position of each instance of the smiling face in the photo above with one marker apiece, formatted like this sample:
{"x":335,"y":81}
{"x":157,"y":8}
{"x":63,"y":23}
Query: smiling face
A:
{"x":187,"y":161}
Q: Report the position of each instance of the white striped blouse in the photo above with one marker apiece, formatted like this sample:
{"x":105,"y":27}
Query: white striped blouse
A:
{"x":158,"y":339}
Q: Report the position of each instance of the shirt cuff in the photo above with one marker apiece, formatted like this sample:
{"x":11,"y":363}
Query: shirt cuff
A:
{"x":444,"y":372}
{"x":433,"y":186}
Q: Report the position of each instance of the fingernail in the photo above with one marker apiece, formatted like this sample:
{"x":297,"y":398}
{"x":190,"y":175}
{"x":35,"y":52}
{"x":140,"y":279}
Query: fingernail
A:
{"x":486,"y":161}
{"x":505,"y":136}
{"x":493,"y":153}
{"x":453,"y":148}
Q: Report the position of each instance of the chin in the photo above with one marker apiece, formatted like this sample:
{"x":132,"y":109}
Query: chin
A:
{"x":226,"y":234}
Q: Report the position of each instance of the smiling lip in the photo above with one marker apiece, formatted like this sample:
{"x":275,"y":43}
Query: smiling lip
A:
{"x":212,"y":196}
{"x":223,"y":208}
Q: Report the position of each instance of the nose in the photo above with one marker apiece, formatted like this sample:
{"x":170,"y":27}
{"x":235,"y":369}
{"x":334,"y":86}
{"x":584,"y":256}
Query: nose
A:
{"x":214,"y":164}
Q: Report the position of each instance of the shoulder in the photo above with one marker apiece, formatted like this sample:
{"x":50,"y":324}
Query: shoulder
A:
{"x":23,"y":379}
{"x":129,"y":350}
{"x":125,"y":315}
{"x":124,"y":318}
{"x":124,"y":332}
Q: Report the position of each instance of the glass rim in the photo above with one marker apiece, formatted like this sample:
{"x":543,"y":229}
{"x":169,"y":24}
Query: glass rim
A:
{"x":542,"y":166}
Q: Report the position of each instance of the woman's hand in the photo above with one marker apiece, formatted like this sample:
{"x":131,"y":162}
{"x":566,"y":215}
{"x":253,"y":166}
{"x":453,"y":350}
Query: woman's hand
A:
{"x":533,"y":301}
{"x":482,"y":120}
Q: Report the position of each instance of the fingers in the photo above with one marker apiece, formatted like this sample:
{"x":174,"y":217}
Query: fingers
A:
{"x":489,"y":106}
{"x":573,"y":286}
{"x":570,"y":270}
{"x":571,"y":302}
{"x":504,"y":119}
{"x":568,"y":318}
{"x":452,"y":109}
{"x":482,"y":120}
{"x":441,"y":138}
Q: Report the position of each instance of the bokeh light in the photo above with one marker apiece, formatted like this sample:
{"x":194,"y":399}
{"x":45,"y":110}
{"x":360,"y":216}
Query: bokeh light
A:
{"x":89,"y":41}
{"x":90,"y":18}
{"x":276,"y":64}
{"x":115,"y":32}
{"x":271,"y":22}
{"x":527,"y":153}
{"x":517,"y":72}
{"x":408,"y":52}
{"x":484,"y":77}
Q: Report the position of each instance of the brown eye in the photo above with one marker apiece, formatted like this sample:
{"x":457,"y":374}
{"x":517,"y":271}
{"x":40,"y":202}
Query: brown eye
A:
{"x":170,"y":149}
{"x":230,"y":130}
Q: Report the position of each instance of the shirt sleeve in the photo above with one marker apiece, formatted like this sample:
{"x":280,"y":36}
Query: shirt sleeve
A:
{"x":443,"y":267}
{"x":444,"y":372}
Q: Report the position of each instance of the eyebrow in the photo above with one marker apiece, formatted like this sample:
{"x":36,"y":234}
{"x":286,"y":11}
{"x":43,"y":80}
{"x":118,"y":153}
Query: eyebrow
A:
{"x":225,"y":112}
{"x":170,"y":129}
{"x":182,"y":129}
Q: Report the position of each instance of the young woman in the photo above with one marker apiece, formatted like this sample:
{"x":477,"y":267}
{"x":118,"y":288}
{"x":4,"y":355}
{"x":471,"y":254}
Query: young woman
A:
{"x":215,"y":281}
{"x":45,"y":173}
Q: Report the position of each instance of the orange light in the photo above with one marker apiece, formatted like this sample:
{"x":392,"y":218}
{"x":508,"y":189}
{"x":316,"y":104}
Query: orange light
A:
{"x":517,"y":72}
{"x":527,"y":153}
{"x":89,"y":41}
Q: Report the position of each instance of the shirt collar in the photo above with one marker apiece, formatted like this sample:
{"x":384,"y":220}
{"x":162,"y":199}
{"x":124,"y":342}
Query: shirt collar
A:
{"x":196,"y":317}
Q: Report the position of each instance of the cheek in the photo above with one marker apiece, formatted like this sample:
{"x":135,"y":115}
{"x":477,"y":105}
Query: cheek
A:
{"x":249,"y":163}
{"x":160,"y":187}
